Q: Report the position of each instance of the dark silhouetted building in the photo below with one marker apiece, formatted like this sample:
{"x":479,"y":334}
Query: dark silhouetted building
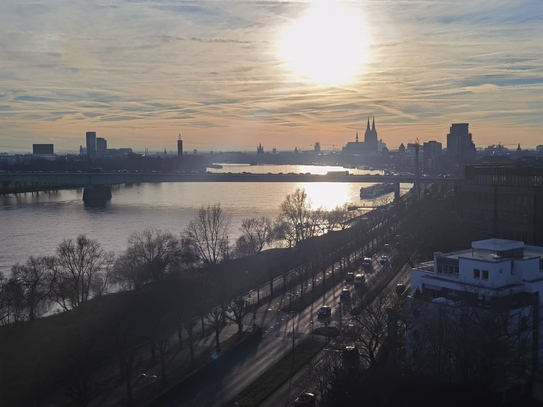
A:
{"x":460,"y":146}
{"x":260,"y":149}
{"x":101,"y":146}
{"x":431,"y":150}
{"x":368,"y":146}
{"x":503,"y":201}
{"x":180,"y":147}
{"x":91,"y":143}
{"x":43,"y":149}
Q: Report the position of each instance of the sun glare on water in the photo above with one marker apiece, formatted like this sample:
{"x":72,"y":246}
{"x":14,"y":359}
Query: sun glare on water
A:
{"x":328,"y":45}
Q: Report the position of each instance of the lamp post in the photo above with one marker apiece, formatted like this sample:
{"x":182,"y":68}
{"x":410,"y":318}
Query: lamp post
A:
{"x":152,"y":378}
{"x":293,"y":315}
{"x":311,"y":322}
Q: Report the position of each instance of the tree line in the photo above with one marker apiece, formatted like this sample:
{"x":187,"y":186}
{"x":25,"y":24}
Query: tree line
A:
{"x":82,"y":269}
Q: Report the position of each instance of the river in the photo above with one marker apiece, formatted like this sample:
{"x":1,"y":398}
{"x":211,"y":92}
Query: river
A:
{"x":34,"y":224}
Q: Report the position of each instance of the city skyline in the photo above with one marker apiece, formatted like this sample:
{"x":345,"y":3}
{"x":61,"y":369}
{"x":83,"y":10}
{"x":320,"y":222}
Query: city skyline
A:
{"x":230,"y":75}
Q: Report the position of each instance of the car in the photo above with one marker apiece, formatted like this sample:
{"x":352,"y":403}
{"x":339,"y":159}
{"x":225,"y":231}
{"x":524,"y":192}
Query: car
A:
{"x":324,"y":311}
{"x":359,"y":280}
{"x":386,"y":248}
{"x":400,"y":288}
{"x":305,"y":399}
{"x":366,"y":262}
{"x":349,"y":277}
{"x":345,"y":295}
{"x":383,"y":260}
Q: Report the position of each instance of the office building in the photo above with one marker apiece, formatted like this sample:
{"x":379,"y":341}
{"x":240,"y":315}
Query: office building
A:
{"x":91,"y":144}
{"x":180,"y":147}
{"x":101,"y":146}
{"x":503,"y":201}
{"x":460,"y":146}
{"x":431,"y":152}
{"x":43,"y":149}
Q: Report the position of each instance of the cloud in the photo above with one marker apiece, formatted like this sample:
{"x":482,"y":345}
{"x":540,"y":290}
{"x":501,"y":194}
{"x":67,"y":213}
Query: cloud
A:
{"x":129,"y":68}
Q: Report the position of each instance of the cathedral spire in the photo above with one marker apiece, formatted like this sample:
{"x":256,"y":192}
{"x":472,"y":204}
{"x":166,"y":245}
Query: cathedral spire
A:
{"x":372,"y":125}
{"x":368,"y":127}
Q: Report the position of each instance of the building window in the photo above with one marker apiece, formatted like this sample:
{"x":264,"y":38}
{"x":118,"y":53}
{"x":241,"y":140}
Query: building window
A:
{"x":485,"y":274}
{"x":476,"y":273}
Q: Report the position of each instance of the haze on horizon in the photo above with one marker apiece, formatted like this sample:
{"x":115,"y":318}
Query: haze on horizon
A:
{"x":227,"y":75}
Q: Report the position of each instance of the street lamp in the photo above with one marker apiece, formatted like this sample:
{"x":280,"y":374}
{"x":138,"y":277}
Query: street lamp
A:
{"x":311,"y":322}
{"x":153,"y":378}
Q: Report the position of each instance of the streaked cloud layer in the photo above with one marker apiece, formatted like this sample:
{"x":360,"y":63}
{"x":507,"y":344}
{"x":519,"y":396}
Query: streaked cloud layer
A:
{"x":139,"y":72}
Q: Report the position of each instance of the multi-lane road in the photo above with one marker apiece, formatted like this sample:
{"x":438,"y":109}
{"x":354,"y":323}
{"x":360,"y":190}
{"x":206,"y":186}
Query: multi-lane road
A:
{"x":280,"y":331}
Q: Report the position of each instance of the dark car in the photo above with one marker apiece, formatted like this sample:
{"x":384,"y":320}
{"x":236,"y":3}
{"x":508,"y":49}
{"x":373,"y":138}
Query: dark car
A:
{"x":324,"y":311}
{"x":349,"y":277}
{"x":383,"y":260}
{"x":345,"y":295}
{"x":305,"y":400}
{"x":366,"y":262}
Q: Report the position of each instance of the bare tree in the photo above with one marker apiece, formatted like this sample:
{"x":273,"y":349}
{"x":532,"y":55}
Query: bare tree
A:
{"x":12,"y":306}
{"x":162,"y":345}
{"x":297,"y":213}
{"x":82,"y":271}
{"x":83,"y":391}
{"x":256,"y":233}
{"x":150,"y":256}
{"x":207,"y":234}
{"x":337,"y":218}
{"x":489,"y":346}
{"x":35,"y":279}
{"x":216,"y":319}
{"x":237,"y":309}
{"x":368,"y":327}
{"x":189,"y":327}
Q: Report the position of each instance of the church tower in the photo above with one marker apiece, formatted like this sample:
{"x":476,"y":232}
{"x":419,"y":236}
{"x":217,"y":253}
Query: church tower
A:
{"x":370,"y":138}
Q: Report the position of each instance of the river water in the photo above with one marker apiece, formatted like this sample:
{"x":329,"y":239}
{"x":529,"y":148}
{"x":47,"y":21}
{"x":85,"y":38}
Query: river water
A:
{"x":34,"y":224}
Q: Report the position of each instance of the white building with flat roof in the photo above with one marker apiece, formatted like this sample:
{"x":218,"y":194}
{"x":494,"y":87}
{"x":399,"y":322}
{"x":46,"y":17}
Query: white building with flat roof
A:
{"x":477,"y":305}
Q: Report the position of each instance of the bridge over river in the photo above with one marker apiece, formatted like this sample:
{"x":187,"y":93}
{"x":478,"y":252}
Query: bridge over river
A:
{"x":97,"y":181}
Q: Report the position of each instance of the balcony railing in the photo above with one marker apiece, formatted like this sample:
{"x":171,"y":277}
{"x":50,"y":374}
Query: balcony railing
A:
{"x":427,"y":267}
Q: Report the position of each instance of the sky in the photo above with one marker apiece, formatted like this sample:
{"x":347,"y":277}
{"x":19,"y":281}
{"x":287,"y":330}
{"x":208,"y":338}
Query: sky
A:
{"x":228,"y":75}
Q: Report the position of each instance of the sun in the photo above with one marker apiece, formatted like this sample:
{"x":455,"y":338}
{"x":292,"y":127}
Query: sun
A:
{"x":329,"y":45}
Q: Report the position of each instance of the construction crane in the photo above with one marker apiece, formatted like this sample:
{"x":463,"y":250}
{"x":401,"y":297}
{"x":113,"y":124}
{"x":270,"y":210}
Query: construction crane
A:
{"x":333,"y":146}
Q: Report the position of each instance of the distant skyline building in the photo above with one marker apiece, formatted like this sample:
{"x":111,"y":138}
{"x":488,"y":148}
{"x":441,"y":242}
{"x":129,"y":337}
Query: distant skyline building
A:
{"x":431,"y":150}
{"x":260,"y":149}
{"x":370,"y":145}
{"x":180,"y":147}
{"x":91,"y":143}
{"x":101,"y":146}
{"x":317,"y":147}
{"x":43,"y":149}
{"x":460,"y":146}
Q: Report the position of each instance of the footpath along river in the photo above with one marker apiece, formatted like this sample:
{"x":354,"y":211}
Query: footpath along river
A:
{"x":34,"y":224}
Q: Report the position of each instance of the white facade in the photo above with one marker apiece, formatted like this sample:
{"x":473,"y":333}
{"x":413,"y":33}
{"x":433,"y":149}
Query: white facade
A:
{"x":474,"y":299}
{"x":495,"y":266}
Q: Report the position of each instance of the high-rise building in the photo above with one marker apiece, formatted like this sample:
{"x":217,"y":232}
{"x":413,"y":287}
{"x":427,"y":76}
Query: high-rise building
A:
{"x":431,"y":150}
{"x":91,"y":144}
{"x":460,"y":146}
{"x":101,"y":146}
{"x":43,"y":149}
{"x":180,"y":147}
